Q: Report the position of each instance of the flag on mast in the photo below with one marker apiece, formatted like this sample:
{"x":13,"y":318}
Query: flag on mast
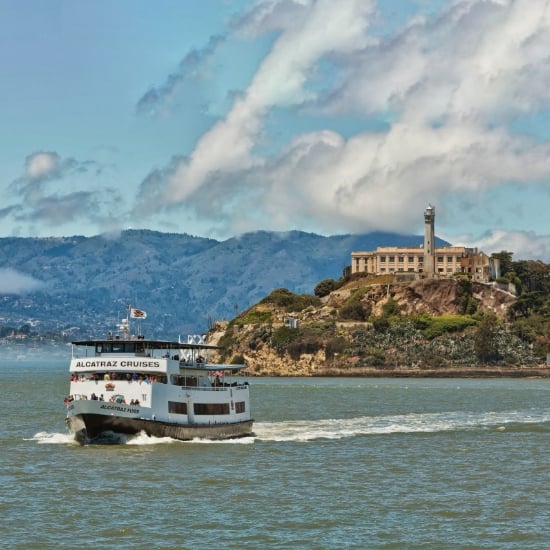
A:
{"x":137,"y":313}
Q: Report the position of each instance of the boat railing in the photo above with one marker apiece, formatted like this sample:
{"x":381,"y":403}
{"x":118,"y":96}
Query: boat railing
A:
{"x":215,"y":388}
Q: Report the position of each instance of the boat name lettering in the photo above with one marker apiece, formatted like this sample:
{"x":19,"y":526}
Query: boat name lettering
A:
{"x":140,"y":364}
{"x":100,"y":364}
{"x":119,"y":408}
{"x":117,"y":364}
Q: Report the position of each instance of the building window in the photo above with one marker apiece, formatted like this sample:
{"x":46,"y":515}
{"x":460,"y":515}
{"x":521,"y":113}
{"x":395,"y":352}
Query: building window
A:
{"x":440,"y":270}
{"x":411,"y":259}
{"x":440,"y":259}
{"x":392,"y":259}
{"x":420,"y":259}
{"x":450,"y":259}
{"x":383,"y":270}
{"x":411,"y":269}
{"x":400,"y":259}
{"x":382,"y":258}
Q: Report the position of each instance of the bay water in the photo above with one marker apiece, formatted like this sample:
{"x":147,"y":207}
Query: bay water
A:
{"x":334,"y":463}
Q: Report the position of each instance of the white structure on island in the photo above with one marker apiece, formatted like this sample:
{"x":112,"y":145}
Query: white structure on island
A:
{"x":426,"y":260}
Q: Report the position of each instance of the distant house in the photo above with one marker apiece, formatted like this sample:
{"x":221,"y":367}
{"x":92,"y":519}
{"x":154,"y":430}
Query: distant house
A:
{"x":427,"y":260}
{"x":291,"y":322}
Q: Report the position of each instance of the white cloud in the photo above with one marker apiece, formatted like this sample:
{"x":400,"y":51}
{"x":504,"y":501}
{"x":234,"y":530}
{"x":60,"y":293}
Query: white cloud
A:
{"x":325,"y":27}
{"x":524,"y":244}
{"x":40,"y":166}
{"x":448,"y":85}
{"x":14,"y":282}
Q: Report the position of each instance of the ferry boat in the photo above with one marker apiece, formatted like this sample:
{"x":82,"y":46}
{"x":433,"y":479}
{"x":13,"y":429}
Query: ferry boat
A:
{"x":130,"y":384}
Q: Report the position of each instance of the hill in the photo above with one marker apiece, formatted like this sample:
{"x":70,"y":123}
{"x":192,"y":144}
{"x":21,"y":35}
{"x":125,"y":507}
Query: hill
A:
{"x":376,"y":326}
{"x":82,"y":284}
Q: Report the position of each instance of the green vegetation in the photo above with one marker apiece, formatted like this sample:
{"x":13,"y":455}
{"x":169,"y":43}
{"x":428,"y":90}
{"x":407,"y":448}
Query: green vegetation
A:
{"x":253,"y":316}
{"x":325,"y":287}
{"x":237,"y":360}
{"x":354,"y":309}
{"x":530,"y":314}
{"x":283,"y":336}
{"x":438,"y":326}
{"x":468,"y":304}
{"x":335,"y":346}
{"x":485,"y":343}
{"x":289,"y":301}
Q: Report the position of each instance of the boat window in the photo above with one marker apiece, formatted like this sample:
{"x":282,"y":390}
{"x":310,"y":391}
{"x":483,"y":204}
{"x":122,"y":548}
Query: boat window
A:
{"x":181,"y":380}
{"x":177,"y":407}
{"x":211,"y":408}
{"x":118,"y":347}
{"x":240,"y":407}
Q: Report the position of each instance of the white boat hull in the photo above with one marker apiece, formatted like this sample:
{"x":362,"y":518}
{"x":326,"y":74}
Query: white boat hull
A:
{"x":87,"y":427}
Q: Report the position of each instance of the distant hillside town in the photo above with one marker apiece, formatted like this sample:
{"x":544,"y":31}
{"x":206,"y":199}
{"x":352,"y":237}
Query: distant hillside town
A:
{"x":426,"y":261}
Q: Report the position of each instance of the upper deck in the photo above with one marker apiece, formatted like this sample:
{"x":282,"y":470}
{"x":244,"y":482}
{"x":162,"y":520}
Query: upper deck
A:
{"x":140,"y":354}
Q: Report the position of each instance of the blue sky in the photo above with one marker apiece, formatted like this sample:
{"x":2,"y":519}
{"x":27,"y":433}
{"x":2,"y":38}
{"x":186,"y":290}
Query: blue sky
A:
{"x":217,"y":117}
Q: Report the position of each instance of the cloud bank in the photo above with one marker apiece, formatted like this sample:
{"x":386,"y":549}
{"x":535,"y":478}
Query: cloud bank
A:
{"x":46,"y":192}
{"x":338,"y":116}
{"x":14,"y":282}
{"x":443,"y":90}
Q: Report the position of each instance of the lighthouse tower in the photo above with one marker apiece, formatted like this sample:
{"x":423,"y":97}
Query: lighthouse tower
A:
{"x":429,"y":241}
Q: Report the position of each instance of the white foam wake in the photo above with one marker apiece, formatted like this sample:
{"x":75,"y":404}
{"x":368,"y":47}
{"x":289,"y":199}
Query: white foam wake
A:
{"x":53,"y":438}
{"x":141,"y":439}
{"x":307,"y":430}
{"x":339,"y":428}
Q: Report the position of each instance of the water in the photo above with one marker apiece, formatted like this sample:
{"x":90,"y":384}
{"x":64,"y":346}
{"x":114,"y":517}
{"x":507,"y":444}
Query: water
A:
{"x":335,"y":463}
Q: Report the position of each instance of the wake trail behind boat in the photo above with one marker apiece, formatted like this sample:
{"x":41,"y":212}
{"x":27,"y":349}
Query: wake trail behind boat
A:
{"x":308,"y":430}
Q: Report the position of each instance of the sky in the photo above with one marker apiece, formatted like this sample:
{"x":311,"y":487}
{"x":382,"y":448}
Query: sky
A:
{"x":220,"y":117}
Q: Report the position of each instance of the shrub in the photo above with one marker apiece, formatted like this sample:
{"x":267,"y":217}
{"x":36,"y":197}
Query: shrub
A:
{"x":354,"y":312}
{"x":325,"y":287}
{"x":253,"y":317}
{"x":447,"y":323}
{"x":283,"y":336}
{"x":335,"y":346}
{"x":390,"y":308}
{"x":381,"y":324}
{"x":289,"y":301}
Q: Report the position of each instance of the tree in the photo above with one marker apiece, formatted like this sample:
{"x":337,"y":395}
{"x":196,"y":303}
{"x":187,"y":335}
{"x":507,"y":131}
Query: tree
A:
{"x":325,"y":287}
{"x":505,"y":261}
{"x":485,"y":343}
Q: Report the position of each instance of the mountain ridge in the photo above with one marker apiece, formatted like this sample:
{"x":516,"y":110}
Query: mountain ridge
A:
{"x":184,"y":282}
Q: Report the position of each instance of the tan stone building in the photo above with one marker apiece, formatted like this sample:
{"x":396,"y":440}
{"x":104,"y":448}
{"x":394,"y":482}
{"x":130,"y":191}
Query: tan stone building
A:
{"x":426,"y":260}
